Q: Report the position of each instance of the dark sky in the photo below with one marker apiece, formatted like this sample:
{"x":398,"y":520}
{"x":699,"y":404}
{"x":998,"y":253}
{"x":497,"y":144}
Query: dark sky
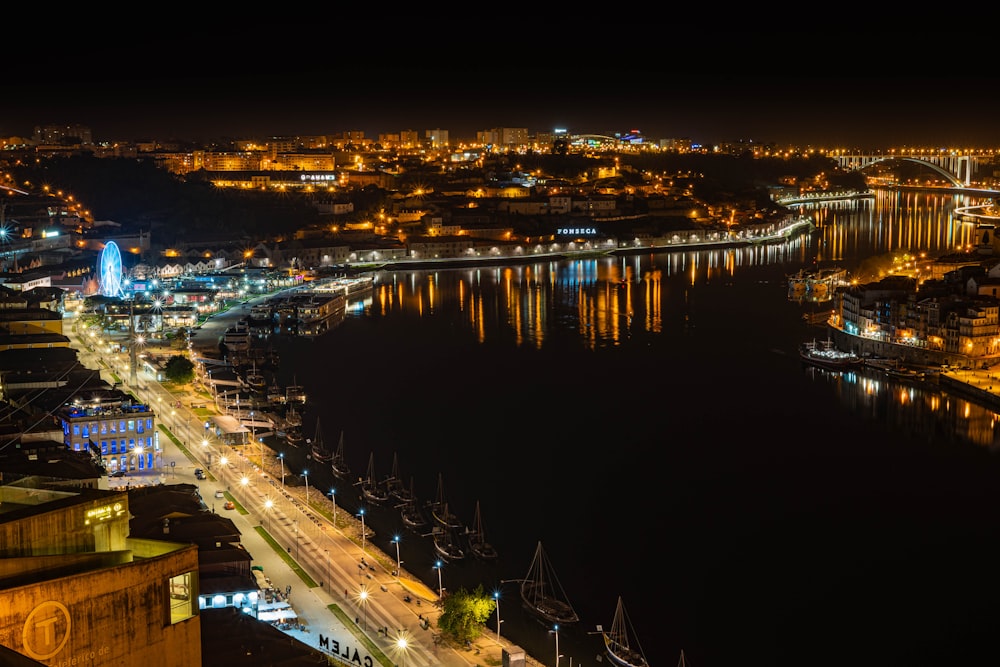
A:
{"x":752,"y":99}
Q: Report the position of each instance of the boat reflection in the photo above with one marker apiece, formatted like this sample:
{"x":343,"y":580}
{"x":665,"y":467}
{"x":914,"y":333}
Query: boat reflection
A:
{"x":924,"y":409}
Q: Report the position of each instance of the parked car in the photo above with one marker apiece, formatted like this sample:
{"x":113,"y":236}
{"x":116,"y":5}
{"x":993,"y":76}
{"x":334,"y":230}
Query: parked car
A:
{"x":199,"y":473}
{"x":220,"y":494}
{"x":118,"y":473}
{"x":229,"y":505}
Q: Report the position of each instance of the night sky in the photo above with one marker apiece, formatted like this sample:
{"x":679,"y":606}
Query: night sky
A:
{"x":754,"y":96}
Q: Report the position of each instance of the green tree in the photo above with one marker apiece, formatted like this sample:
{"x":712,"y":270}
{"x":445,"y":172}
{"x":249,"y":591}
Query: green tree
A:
{"x":179,"y":369}
{"x":465,"y":613}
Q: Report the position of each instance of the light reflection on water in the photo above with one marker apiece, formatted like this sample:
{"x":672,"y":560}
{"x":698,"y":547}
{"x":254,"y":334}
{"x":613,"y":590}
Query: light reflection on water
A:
{"x":679,"y":372}
{"x":611,"y":302}
{"x":605,"y":300}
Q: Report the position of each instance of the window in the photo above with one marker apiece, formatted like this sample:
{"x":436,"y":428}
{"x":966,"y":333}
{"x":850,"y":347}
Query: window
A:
{"x":181,"y":599}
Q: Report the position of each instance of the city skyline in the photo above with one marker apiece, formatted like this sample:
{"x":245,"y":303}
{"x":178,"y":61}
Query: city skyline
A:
{"x":181,"y":100}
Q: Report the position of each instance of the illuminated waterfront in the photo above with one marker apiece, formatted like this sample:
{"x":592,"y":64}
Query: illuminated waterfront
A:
{"x":648,"y":419}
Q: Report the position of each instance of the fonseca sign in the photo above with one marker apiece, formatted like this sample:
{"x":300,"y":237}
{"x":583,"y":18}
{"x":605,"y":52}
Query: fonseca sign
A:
{"x":577,"y":231}
{"x":346,"y":652}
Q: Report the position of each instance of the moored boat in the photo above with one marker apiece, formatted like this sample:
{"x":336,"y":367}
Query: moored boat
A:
{"x":371,"y":490}
{"x":621,"y":643}
{"x":318,"y":449}
{"x":542,"y":594}
{"x":439,"y":509}
{"x":478,"y":545}
{"x":825,"y":355}
{"x":446,"y":544}
{"x":338,"y":464}
{"x":412,"y":517}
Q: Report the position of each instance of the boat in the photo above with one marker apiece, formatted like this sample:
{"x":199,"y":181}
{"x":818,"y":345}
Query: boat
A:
{"x":412,"y":516}
{"x":894,"y":369}
{"x":255,"y":381}
{"x":818,"y":285}
{"x":817,"y":317}
{"x":445,"y":543}
{"x":478,"y":545}
{"x":338,"y":463}
{"x":825,"y":355}
{"x":293,"y":418}
{"x":542,"y":594}
{"x":410,"y":512}
{"x":621,"y":643}
{"x":275,"y":395}
{"x":371,"y":490}
{"x":318,"y":449}
{"x":394,"y":484}
{"x":295,"y":393}
{"x":797,"y":284}
{"x":439,"y":509}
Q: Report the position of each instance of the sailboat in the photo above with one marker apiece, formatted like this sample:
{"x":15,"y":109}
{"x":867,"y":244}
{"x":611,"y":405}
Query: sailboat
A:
{"x":318,"y":449}
{"x":371,"y":490}
{"x":478,"y":545}
{"x":338,"y":463}
{"x":621,"y":643}
{"x":410,"y":512}
{"x":393,"y":484}
{"x":542,"y":593}
{"x":445,"y":543}
{"x":439,"y":509}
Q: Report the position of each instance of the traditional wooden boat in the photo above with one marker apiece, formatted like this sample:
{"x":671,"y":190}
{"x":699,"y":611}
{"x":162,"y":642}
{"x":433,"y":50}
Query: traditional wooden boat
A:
{"x":439,"y":509}
{"x":446,"y":543}
{"x":338,"y":464}
{"x":542,"y":593}
{"x":371,"y":490}
{"x":394,"y":483}
{"x":621,"y":643}
{"x":318,"y":449}
{"x":478,"y":545}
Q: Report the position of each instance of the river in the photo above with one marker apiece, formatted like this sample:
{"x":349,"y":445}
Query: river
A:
{"x":648,"y":420}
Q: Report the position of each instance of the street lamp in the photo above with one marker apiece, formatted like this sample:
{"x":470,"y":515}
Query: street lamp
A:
{"x":305,"y":473}
{"x":399,"y":563}
{"x":268,"y":505}
{"x":361,"y":513}
{"x":333,"y":499}
{"x":555,"y":630}
{"x":437,"y":566}
{"x":363,"y":597}
{"x":281,"y":457}
{"x":402,"y":644}
{"x":496,"y":599}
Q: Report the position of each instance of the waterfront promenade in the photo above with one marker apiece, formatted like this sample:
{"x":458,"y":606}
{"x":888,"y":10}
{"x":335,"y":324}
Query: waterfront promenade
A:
{"x":346,"y":593}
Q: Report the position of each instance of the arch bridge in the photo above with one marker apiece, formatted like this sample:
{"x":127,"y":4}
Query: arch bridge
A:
{"x":957,"y":169}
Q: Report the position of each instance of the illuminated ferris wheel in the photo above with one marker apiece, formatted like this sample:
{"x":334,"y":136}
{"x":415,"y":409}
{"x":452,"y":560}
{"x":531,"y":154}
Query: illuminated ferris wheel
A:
{"x":109,"y":268}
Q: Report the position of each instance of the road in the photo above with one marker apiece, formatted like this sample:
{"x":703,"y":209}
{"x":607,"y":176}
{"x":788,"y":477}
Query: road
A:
{"x":359,"y":581}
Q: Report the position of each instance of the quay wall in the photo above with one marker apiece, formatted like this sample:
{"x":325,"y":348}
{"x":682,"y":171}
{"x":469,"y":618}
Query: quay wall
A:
{"x":908,"y":354}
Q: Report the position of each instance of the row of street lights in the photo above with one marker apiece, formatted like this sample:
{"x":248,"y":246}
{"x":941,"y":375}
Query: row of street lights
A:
{"x":364,"y":595}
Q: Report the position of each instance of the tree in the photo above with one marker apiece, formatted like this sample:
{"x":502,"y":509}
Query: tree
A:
{"x":465,"y":614}
{"x":179,"y":369}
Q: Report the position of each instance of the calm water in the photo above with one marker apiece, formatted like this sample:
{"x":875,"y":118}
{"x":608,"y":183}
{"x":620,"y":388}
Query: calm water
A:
{"x":647,"y":419}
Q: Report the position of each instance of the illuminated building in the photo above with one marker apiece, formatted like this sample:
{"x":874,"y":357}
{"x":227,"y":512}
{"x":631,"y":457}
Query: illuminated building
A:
{"x":79,"y":590}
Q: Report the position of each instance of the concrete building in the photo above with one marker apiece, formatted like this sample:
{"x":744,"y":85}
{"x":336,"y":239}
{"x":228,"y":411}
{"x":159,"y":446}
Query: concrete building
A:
{"x":79,"y":590}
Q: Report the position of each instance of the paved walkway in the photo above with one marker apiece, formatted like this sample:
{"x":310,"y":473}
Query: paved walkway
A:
{"x":300,"y":549}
